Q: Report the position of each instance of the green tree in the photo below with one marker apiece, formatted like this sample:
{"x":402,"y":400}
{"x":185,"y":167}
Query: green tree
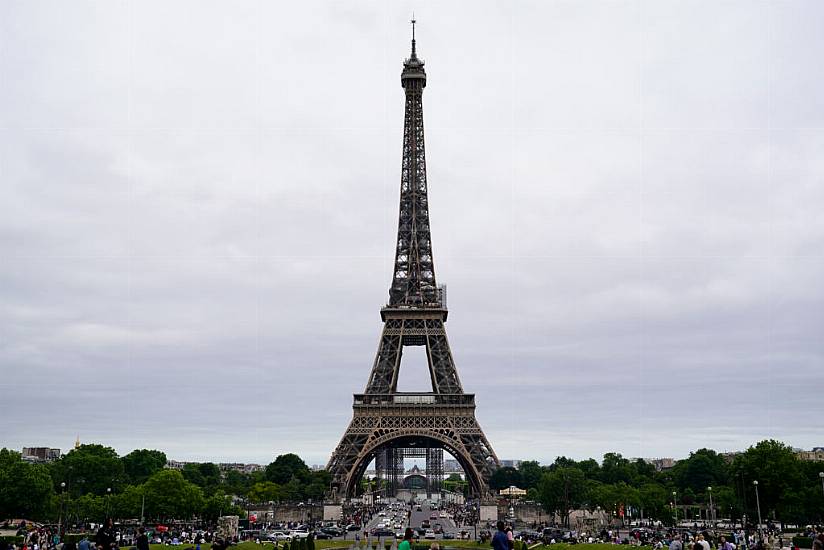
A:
{"x":531,"y":473}
{"x":615,"y":468}
{"x":285,"y":467}
{"x":562,"y":490}
{"x":219,"y":504}
{"x":26,"y":490}
{"x":126,"y":504}
{"x":236,"y":483}
{"x":504,"y":477}
{"x":654,"y":500}
{"x":265,"y":491}
{"x":778,"y":472}
{"x":88,"y":469}
{"x":170,"y":496}
{"x":703,"y":468}
{"x":140,"y":464}
{"x":88,"y":508}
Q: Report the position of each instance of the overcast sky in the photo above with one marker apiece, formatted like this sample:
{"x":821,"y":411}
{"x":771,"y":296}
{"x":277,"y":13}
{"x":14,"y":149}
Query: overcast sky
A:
{"x":198,"y":207}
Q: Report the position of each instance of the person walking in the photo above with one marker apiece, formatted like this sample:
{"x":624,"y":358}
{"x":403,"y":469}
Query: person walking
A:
{"x":676,"y":543}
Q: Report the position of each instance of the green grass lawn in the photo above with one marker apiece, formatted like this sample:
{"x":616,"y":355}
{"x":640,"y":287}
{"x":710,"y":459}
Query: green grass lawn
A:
{"x":333,"y":544}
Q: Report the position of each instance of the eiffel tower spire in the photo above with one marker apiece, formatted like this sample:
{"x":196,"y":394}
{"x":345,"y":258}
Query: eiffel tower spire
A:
{"x":413,"y":279}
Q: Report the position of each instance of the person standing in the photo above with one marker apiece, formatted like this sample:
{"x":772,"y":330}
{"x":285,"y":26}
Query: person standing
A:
{"x":500,"y":541}
{"x":406,"y":544}
{"x":676,"y":543}
{"x":142,"y":539}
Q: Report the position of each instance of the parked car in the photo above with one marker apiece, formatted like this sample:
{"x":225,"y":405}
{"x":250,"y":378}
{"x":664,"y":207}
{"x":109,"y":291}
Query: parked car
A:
{"x":430,"y":534}
{"x":353,"y":527}
{"x":425,"y":524}
{"x":299,"y":534}
{"x":279,"y":536}
{"x":448,"y":536}
{"x":437,"y":528}
{"x":320,"y":535}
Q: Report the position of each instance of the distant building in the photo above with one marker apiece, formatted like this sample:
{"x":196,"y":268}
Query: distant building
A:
{"x":510,"y":463}
{"x":239,"y":467}
{"x":40,"y":454}
{"x":660,"y":464}
{"x":816,"y":454}
{"x":176,"y":464}
{"x":452,"y":466}
{"x":730,"y":456}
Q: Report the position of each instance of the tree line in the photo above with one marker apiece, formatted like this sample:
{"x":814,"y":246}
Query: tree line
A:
{"x":789,"y":489}
{"x":92,"y":482}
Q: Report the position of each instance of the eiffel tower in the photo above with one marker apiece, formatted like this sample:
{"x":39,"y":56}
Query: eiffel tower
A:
{"x":387,"y":422}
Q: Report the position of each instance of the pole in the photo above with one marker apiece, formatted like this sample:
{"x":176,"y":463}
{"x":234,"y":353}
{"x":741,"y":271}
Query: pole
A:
{"x":142,"y":508}
{"x":821,"y":475}
{"x":675,"y":507}
{"x":758,"y":505}
{"x":712,"y":510}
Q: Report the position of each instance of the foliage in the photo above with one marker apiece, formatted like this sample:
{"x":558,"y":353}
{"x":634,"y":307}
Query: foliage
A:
{"x":531,"y":473}
{"x":703,"y":468}
{"x":777,"y":470}
{"x":561,"y":490}
{"x":170,"y":495}
{"x":140,"y":464}
{"x":26,"y":490}
{"x":285,"y":467}
{"x":504,"y":477}
{"x":88,"y":469}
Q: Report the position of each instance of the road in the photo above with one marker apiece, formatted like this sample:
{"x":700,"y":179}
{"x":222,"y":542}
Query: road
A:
{"x":409,"y":516}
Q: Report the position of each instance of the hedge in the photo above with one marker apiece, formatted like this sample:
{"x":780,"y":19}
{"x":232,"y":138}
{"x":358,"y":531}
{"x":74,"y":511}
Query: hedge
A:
{"x":803,"y":542}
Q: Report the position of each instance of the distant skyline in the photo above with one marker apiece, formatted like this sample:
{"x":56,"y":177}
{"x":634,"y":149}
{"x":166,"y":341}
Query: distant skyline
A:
{"x":198,"y":207}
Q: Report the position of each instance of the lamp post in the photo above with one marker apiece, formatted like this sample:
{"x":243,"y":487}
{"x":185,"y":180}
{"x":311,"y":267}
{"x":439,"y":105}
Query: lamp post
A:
{"x":675,"y":506}
{"x":108,"y":501}
{"x":821,"y":475}
{"x":712,"y":510}
{"x":62,"y":504}
{"x":758,"y":505}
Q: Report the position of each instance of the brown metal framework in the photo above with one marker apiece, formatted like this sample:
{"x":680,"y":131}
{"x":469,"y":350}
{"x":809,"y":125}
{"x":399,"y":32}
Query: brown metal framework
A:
{"x":384,"y":419}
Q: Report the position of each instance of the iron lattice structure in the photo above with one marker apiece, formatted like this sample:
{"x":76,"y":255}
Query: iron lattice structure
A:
{"x":385,"y":421}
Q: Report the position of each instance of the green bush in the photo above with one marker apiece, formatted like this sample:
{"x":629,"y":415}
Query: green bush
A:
{"x":803,"y":542}
{"x":13,"y":539}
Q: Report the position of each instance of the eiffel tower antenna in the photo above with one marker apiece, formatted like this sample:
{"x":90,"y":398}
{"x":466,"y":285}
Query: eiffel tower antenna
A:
{"x":389,"y":425}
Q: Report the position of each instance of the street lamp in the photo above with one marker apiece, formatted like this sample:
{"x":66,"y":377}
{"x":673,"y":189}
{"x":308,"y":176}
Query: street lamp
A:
{"x":821,"y":475}
{"x":712,"y":510}
{"x":675,"y":506}
{"x":758,"y":505}
{"x":62,"y":503}
{"x":108,"y":501}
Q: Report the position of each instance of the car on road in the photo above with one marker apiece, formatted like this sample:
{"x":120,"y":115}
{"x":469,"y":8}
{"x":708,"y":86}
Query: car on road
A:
{"x":444,"y":515}
{"x":353,"y":527}
{"x":333,"y":531}
{"x":448,"y":536}
{"x":433,"y":516}
{"x":437,"y":528}
{"x":382,"y":533}
{"x":299,"y":534}
{"x":321,"y":535}
{"x":418,"y":509}
{"x":425,"y":524}
{"x":429,"y":534}
{"x":279,"y":536}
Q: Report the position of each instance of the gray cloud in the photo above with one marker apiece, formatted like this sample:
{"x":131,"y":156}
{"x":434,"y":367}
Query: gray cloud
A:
{"x":198,"y":207}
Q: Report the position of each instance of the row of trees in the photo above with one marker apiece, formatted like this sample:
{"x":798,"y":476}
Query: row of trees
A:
{"x":92,"y":482}
{"x":789,"y":489}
